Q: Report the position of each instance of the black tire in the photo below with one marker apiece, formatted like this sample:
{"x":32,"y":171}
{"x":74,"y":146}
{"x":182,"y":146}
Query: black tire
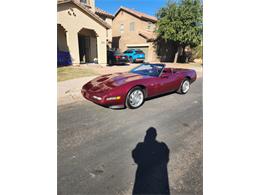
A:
{"x":128,"y":98}
{"x":183,"y":87}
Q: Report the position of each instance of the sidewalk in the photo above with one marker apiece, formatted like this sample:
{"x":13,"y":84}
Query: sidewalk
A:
{"x":70,"y":91}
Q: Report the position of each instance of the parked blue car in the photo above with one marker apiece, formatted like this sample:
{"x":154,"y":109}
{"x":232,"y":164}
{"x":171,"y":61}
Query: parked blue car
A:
{"x":135,"y":55}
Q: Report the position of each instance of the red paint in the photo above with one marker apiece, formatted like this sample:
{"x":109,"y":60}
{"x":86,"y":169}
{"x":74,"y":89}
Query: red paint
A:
{"x":119,"y":84}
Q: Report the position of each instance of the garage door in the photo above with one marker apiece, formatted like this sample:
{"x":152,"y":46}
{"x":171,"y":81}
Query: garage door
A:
{"x":143,"y":48}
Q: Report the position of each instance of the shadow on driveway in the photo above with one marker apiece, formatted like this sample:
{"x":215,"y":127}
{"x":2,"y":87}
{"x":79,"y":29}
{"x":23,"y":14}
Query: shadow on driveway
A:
{"x":152,"y":158}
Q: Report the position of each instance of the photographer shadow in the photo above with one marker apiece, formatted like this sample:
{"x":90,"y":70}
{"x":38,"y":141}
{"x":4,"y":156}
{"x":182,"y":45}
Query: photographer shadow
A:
{"x":151,"y":157}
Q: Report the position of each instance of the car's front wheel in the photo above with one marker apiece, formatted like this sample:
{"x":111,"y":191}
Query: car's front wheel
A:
{"x":185,"y":86}
{"x":135,"y":98}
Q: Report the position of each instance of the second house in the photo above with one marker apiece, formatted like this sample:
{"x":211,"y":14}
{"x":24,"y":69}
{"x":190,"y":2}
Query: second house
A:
{"x":134,"y":30}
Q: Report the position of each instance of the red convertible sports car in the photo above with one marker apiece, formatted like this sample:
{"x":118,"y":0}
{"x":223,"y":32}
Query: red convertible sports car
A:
{"x":130,"y":89}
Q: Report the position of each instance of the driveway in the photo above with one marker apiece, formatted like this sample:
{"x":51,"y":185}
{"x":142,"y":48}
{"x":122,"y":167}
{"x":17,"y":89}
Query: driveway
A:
{"x":95,"y":145}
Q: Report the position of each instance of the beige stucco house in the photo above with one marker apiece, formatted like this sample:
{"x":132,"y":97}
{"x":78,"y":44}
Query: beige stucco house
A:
{"x":133,"y":29}
{"x":108,"y":18}
{"x":83,"y":30}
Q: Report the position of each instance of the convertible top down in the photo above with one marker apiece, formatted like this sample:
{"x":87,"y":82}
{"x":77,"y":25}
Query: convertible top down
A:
{"x":130,"y":89}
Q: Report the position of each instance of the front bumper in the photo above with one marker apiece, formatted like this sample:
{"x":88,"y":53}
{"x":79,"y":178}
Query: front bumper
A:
{"x":121,"y":61}
{"x":139,"y":59}
{"x":100,"y":99}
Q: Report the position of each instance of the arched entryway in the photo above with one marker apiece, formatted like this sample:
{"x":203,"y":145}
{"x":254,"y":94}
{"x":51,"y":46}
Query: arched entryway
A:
{"x":62,"y":38}
{"x":63,"y":54}
{"x":87,"y":40}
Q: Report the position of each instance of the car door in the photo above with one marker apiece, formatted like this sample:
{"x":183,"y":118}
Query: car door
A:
{"x":153,"y":86}
{"x":174,"y":81}
{"x":166,"y":82}
{"x":157,"y":86}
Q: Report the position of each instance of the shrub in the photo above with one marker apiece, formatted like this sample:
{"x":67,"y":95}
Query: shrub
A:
{"x":197,"y":53}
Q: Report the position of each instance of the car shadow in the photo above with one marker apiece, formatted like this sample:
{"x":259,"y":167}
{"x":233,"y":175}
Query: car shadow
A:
{"x":151,"y":157}
{"x":161,"y":95}
{"x":123,"y":64}
{"x":146,"y":99}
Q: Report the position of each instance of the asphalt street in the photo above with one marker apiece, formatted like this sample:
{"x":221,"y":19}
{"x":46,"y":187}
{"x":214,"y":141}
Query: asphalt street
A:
{"x":95,"y":144}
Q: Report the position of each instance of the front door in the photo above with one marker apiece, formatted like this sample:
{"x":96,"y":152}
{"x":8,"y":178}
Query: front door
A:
{"x":84,"y":49}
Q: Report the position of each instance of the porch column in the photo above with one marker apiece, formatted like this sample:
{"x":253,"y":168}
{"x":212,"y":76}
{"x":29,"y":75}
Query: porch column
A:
{"x":102,"y":51}
{"x":73,"y":44}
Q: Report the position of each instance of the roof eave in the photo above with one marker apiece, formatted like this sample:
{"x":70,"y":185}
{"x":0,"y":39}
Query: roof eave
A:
{"x":145,"y":18}
{"x":140,"y":17}
{"x":93,"y":15}
{"x":148,"y":39}
{"x":107,"y":15}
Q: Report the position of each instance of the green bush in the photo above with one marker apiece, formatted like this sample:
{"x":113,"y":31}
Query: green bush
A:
{"x":197,"y":53}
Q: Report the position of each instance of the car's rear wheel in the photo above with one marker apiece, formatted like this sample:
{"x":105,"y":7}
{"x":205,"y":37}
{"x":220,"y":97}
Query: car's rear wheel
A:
{"x":135,"y":98}
{"x":185,"y":86}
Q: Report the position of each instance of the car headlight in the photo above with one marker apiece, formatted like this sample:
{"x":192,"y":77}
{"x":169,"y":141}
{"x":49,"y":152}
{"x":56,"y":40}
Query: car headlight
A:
{"x":114,"y":98}
{"x":97,"y":98}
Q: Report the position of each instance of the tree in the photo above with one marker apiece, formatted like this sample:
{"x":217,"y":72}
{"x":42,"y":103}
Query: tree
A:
{"x":181,"y":22}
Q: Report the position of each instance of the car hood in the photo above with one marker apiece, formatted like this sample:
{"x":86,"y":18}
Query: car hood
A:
{"x":107,"y":82}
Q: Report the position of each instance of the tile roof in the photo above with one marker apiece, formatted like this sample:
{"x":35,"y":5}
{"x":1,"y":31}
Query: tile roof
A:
{"x":150,"y":36}
{"x":137,"y":14}
{"x":102,"y":12}
{"x":87,"y":10}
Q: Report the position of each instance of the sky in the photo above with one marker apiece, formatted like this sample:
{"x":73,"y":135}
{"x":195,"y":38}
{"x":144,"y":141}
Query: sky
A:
{"x":149,"y":7}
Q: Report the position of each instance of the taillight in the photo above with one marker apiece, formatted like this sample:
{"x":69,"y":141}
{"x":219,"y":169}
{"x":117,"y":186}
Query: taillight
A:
{"x":117,"y":57}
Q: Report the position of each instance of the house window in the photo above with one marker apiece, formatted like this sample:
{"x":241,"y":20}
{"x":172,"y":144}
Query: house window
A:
{"x":121,"y":28}
{"x":132,"y":26}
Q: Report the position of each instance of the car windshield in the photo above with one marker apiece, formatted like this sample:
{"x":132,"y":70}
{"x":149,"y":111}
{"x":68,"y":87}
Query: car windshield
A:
{"x":148,"y":69}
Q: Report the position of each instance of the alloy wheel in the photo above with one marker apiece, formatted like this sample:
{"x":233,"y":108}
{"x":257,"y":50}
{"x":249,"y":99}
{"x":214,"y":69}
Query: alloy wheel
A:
{"x":185,"y":86}
{"x":136,"y":98}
